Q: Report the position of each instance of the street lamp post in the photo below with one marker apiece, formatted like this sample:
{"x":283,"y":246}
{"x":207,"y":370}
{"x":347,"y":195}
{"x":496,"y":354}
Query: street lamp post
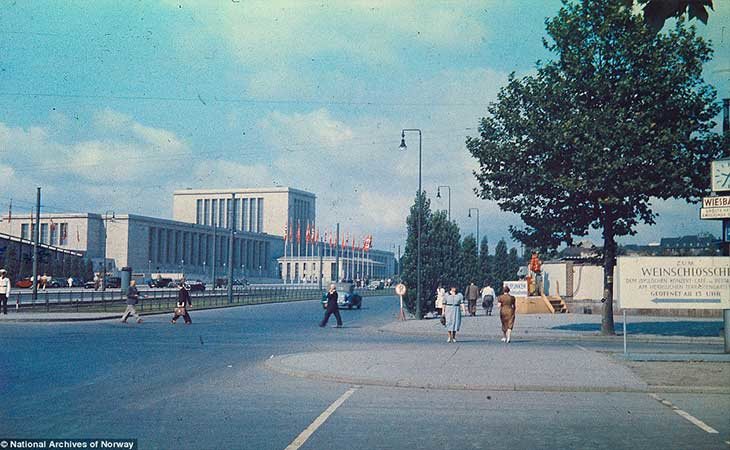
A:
{"x":469,"y":215}
{"x":420,"y":213}
{"x":149,"y":268}
{"x":106,"y":237}
{"x":438,"y":195}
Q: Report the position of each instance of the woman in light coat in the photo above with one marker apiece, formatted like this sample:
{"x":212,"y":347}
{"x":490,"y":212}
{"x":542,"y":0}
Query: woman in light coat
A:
{"x":452,"y":311}
{"x":440,"y":292}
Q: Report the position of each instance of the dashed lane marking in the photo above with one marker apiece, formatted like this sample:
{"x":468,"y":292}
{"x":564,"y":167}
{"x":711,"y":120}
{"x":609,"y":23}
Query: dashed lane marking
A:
{"x":309,"y":431}
{"x":697,"y":422}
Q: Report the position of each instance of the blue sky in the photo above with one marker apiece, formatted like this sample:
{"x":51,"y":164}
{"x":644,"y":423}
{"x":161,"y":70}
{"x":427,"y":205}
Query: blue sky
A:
{"x":113,"y":105}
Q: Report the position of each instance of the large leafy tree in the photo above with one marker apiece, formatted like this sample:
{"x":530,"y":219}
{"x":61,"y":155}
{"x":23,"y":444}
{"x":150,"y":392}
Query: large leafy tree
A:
{"x":445,"y":250}
{"x":485,"y":265}
{"x":469,"y":261}
{"x":656,"y":12}
{"x":622,"y":116}
{"x":500,"y":267}
{"x":410,"y":255}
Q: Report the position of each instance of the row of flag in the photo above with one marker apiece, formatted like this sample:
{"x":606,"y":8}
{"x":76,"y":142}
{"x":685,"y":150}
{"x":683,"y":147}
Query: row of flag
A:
{"x":312,"y":235}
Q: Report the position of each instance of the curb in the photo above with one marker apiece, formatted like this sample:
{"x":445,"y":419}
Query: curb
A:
{"x":654,"y":339}
{"x":274,"y":366}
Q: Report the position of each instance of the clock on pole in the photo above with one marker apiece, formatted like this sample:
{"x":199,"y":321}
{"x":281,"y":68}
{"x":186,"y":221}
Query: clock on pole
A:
{"x":720,"y":175}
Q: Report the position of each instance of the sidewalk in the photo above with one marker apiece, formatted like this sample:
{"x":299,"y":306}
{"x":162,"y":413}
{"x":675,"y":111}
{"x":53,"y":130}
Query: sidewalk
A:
{"x":479,"y":361}
{"x":574,"y":327}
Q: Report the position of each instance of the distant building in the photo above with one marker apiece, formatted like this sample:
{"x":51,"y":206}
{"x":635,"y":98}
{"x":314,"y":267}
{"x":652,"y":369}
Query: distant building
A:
{"x":697,"y":245}
{"x":262,"y":210}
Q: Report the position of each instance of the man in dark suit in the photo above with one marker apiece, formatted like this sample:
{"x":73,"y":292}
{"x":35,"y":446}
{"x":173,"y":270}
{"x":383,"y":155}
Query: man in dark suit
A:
{"x":332,"y":307}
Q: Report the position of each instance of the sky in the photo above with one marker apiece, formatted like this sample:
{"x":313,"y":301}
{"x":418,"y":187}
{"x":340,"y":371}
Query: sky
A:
{"x":110,"y":105}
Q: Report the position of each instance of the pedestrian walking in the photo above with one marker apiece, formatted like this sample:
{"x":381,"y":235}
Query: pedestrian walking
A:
{"x":472,"y":294}
{"x":44,"y":281}
{"x":506,"y":303}
{"x":452,"y":304}
{"x":183,"y":303}
{"x":332,"y":307}
{"x":4,"y":290}
{"x":488,"y":299}
{"x":132,"y":300}
{"x":70,"y":282}
{"x":96,"y":281}
{"x":440,"y":292}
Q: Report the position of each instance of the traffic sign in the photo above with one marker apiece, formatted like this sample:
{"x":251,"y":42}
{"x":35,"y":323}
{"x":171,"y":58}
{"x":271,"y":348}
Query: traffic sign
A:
{"x":400,"y":289}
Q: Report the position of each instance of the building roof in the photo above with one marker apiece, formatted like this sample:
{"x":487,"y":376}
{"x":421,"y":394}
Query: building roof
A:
{"x":269,"y":190}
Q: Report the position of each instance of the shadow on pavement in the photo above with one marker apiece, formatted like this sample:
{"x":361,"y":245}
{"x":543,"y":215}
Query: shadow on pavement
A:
{"x":676,"y":328}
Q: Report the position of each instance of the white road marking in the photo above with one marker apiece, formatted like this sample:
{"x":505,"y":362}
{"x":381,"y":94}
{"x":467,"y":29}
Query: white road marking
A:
{"x":309,"y":431}
{"x":583,"y":348}
{"x":697,"y":422}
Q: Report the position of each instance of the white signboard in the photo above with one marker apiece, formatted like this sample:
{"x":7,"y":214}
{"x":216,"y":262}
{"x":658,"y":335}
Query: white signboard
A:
{"x":720,"y":201}
{"x":517,"y":288}
{"x":698,"y":282}
{"x":715,"y":213}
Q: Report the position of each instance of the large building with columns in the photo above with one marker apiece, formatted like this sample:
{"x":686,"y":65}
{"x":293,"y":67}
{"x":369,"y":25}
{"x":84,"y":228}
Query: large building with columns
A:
{"x":196,"y":241}
{"x":152,"y":245}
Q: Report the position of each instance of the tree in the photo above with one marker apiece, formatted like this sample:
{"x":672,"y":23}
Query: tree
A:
{"x":410,"y":274}
{"x":656,"y":12}
{"x":469,"y":261}
{"x":444,"y":242}
{"x":621,"y":117}
{"x":485,"y":275}
{"x":10,"y":261}
{"x":513,"y":264}
{"x":499,"y":268}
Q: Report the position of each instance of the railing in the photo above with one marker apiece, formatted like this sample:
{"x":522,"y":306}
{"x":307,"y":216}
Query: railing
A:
{"x":59,"y":300}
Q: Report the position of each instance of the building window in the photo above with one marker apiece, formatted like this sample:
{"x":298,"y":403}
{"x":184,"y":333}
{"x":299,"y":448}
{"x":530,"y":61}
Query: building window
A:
{"x":63,"y":234}
{"x":251,"y":215}
{"x":206,"y":212}
{"x":221,"y":213}
{"x":214,"y":212}
{"x":54,"y":234}
{"x":260,"y":216}
{"x":236,"y":209}
{"x":199,"y":211}
{"x":244,"y":215}
{"x":44,"y":233}
{"x":24,"y":231}
{"x":228,"y":212}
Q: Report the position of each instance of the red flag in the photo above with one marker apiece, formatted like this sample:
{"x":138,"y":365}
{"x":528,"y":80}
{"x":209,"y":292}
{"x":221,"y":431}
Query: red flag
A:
{"x":290,"y":231}
{"x":308,"y":235}
{"x":286,"y":232}
{"x":78,"y":237}
{"x":299,"y":231}
{"x":53,"y":225}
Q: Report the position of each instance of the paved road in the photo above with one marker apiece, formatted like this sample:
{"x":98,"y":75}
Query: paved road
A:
{"x":205,"y":386}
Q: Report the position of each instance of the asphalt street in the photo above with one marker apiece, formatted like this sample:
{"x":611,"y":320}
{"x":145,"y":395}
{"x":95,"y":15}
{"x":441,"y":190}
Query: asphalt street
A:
{"x":207,"y":386}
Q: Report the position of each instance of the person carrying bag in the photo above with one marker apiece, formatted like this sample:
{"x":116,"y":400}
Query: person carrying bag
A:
{"x":183,"y":303}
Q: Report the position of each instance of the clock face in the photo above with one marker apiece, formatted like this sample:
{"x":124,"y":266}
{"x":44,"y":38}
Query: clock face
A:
{"x":721,"y":175}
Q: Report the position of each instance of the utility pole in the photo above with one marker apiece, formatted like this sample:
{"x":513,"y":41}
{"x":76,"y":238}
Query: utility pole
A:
{"x":36,"y":239}
{"x":230,"y":249}
{"x":337,"y":254}
{"x":215,"y":248}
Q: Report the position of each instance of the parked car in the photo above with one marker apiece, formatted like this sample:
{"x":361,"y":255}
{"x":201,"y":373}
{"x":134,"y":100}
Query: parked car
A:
{"x":57,"y":282}
{"x":111,"y":283}
{"x":347,"y":300}
{"x":377,"y":284}
{"x":195,"y":285}
{"x":24,"y":283}
{"x":160,"y":283}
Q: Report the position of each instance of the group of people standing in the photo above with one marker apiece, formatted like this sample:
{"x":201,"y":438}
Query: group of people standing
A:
{"x":451,"y":306}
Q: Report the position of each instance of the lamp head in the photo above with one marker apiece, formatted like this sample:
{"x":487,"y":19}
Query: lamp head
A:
{"x":438,"y":192}
{"x":469,"y":215}
{"x":403,"y":145}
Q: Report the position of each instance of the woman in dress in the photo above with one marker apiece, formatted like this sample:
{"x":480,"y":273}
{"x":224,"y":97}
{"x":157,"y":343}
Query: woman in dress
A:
{"x":506,"y":303}
{"x":452,"y":311}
